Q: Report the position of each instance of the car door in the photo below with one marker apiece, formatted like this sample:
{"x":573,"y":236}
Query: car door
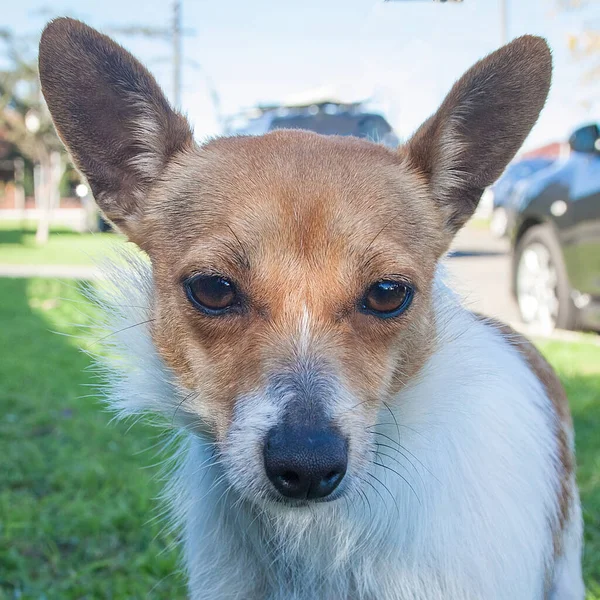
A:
{"x":584,"y":204}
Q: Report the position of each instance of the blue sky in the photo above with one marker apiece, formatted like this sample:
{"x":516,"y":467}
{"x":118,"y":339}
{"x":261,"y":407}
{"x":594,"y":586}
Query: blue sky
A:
{"x":404,"y":55}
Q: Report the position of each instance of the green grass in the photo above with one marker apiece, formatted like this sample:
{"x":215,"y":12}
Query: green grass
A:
{"x":579,"y":368}
{"x":77,"y":504}
{"x":65,"y":247}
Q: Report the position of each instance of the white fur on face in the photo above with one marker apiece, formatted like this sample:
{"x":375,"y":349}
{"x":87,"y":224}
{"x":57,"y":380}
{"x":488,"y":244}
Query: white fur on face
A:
{"x":462,"y":503}
{"x":242,"y":450}
{"x":304,"y":332}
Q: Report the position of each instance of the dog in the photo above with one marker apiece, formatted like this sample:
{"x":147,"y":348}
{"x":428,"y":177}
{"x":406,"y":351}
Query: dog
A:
{"x":347,"y":430}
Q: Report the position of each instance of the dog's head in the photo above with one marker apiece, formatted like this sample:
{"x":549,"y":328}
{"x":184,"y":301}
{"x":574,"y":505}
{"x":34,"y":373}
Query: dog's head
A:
{"x":293,"y":272}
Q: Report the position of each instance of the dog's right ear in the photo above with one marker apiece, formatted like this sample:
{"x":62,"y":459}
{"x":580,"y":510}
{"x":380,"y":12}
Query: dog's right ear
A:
{"x":111,"y":115}
{"x":467,"y":143}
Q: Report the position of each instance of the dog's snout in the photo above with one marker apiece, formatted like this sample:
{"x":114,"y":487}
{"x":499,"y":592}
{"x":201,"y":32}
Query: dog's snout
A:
{"x":305,"y":463}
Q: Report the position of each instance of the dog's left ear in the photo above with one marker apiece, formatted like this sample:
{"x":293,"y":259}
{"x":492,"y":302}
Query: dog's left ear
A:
{"x":111,"y":115}
{"x":467,"y":143}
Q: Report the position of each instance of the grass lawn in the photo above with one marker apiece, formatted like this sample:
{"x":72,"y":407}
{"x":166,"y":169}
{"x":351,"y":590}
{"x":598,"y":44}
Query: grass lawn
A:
{"x":579,"y":368}
{"x":65,"y":247}
{"x":77,"y":514}
{"x":76,"y":499}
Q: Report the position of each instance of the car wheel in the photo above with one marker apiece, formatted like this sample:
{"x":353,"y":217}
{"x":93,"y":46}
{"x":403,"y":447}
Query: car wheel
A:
{"x":541,"y":282}
{"x":499,"y":222}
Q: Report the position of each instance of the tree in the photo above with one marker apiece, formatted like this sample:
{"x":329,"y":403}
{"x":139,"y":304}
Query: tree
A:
{"x":585,"y":44}
{"x":25,"y":120}
{"x":26,"y":123}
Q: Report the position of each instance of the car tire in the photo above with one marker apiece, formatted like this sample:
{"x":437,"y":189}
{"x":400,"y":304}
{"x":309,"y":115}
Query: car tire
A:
{"x":541,"y":283}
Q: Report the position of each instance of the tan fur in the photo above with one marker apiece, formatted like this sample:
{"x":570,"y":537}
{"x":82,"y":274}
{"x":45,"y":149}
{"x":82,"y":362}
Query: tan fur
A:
{"x":308,"y":233}
{"x":556,"y":393}
{"x":302,"y":224}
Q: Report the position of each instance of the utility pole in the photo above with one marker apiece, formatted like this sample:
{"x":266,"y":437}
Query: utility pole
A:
{"x":176,"y":37}
{"x":172,"y":34}
{"x":504,"y":21}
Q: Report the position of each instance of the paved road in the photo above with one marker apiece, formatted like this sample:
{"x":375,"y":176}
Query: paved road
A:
{"x":479,"y":266}
{"x":55,"y":271}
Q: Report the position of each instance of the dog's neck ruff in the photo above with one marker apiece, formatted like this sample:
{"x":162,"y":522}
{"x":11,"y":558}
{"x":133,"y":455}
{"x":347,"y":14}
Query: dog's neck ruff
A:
{"x":467,"y":512}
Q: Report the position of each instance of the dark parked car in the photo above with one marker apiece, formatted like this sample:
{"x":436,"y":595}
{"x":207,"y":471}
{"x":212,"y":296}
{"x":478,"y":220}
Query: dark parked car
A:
{"x":503,"y":192}
{"x":556,"y":240}
{"x":364,"y":125}
{"x":326,"y":118}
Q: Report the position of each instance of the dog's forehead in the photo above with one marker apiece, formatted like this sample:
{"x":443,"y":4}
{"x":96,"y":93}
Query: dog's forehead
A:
{"x":298,"y":191}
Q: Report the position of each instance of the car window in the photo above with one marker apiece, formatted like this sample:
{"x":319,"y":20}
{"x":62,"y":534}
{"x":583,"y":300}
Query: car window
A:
{"x":373,"y":127}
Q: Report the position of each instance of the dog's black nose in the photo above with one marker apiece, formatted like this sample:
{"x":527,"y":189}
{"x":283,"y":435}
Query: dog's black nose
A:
{"x":305,"y":463}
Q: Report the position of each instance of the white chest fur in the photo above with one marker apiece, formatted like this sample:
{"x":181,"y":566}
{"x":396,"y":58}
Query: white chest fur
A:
{"x":467,"y":514}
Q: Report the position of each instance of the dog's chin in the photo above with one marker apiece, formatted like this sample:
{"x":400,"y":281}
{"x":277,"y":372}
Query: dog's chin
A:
{"x":269,"y":500}
{"x":274,"y":502}
{"x":293,"y":503}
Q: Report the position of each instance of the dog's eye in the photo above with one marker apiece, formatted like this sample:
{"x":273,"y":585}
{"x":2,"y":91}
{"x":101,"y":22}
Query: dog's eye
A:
{"x":212,"y":294}
{"x":387,"y":298}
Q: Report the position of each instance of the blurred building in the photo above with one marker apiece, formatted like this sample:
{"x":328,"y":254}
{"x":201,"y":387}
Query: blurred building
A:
{"x":17,"y":184}
{"x":553,"y":150}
